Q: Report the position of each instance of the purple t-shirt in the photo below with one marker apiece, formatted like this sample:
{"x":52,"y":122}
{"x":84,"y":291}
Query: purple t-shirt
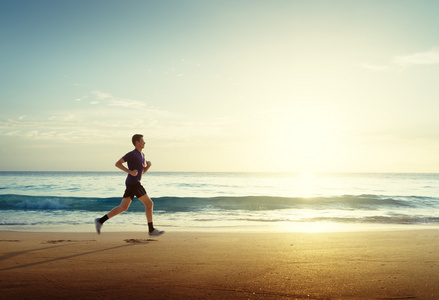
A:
{"x":136,"y":161}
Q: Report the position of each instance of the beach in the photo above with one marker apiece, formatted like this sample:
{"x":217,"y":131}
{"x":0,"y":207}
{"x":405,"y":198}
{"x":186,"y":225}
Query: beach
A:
{"x":228,"y":236}
{"x":401,"y":264}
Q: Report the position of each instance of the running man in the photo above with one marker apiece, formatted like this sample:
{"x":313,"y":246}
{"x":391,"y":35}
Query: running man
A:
{"x":137,"y":166}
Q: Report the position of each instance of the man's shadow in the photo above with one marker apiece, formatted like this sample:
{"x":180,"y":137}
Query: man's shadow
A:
{"x":18,"y":253}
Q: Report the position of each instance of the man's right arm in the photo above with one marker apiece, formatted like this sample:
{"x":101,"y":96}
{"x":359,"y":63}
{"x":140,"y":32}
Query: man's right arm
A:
{"x":120,"y":165}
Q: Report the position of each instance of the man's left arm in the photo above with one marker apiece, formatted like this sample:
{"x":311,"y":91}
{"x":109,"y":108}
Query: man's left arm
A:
{"x":148,"y":165}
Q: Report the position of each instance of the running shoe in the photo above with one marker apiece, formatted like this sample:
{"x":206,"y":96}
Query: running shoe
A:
{"x":156,"y":232}
{"x":98,"y":226}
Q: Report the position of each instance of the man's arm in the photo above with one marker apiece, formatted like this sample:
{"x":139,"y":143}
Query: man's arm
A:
{"x":120,"y":165}
{"x":148,"y":165}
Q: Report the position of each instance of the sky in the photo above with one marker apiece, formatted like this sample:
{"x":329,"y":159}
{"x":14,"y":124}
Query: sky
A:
{"x":220,"y":86}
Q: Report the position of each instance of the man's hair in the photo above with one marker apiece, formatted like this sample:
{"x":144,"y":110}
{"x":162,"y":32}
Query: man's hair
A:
{"x":136,"y":138}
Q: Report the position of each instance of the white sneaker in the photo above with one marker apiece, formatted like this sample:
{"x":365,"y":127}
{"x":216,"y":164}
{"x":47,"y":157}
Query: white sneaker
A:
{"x":156,"y":232}
{"x":98,"y":226}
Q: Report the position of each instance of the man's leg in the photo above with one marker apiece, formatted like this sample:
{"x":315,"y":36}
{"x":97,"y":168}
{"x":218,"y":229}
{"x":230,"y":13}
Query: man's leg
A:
{"x":148,"y":206}
{"x":123,"y":206}
{"x":148,"y":211}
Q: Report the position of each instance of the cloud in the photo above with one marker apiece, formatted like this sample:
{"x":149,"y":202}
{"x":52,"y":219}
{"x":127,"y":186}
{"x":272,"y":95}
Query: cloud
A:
{"x":399,"y":62}
{"x":376,"y":68}
{"x":101,"y":95}
{"x":420,"y":58}
{"x":110,"y":100}
{"x":92,"y":125}
{"x":104,"y":125}
{"x":102,"y":122}
{"x":126,"y":103}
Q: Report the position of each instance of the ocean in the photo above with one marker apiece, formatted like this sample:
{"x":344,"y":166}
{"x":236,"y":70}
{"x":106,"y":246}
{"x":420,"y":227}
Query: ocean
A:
{"x":70,"y":201}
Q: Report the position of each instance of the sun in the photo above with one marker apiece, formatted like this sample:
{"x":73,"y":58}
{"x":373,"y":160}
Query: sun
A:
{"x":304,"y":142}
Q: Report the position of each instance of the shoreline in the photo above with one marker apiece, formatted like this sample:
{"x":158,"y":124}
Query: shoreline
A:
{"x":269,"y":228}
{"x":399,"y":264}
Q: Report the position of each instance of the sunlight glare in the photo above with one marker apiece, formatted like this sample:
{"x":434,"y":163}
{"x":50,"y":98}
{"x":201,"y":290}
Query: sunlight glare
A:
{"x":306,"y":184}
{"x":314,"y":227}
{"x":304,"y":142}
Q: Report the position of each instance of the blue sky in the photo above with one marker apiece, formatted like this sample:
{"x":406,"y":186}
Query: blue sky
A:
{"x":291,"y":86}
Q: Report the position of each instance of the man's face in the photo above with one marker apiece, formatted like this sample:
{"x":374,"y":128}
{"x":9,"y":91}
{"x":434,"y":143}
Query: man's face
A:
{"x":141,"y":143}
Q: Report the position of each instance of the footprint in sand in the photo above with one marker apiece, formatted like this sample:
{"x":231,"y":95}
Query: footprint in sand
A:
{"x":139,"y":240}
{"x":66,"y":241}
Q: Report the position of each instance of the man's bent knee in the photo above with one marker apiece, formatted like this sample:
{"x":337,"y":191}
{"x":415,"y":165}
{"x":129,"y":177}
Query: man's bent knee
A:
{"x":125,"y":204}
{"x":123,"y":208}
{"x":147,"y":201}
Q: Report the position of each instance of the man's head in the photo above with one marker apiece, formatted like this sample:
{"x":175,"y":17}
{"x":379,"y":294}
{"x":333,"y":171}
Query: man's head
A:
{"x":137,"y":138}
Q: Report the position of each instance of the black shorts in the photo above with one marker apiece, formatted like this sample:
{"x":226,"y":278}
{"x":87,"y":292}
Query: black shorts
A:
{"x":135,"y":189}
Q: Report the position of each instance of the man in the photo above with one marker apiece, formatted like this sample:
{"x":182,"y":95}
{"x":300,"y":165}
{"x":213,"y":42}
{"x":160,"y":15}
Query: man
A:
{"x":137,"y":166}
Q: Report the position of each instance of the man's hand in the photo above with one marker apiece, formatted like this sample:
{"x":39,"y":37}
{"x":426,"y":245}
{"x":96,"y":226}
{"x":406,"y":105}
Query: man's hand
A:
{"x":134,"y":173}
{"x":146,"y":167}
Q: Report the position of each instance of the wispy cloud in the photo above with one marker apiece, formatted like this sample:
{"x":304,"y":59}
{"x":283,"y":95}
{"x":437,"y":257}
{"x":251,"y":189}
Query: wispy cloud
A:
{"x":402,"y":62}
{"x":372,"y":67}
{"x":103,"y":125}
{"x":101,"y":95}
{"x":126,"y":103}
{"x":420,"y":58}
{"x":110,"y":100}
{"x":102,"y":122}
{"x":98,"y":120}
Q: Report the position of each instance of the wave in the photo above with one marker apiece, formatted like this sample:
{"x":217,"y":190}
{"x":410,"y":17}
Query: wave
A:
{"x":249,"y":203}
{"x":403,"y":219}
{"x":398,"y":219}
{"x":199,"y":211}
{"x":44,"y":205}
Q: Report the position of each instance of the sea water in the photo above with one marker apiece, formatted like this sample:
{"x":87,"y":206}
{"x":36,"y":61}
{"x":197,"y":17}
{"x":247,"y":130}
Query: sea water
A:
{"x":70,"y":201}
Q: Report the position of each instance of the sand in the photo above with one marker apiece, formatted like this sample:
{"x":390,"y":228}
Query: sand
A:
{"x":190,"y":265}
